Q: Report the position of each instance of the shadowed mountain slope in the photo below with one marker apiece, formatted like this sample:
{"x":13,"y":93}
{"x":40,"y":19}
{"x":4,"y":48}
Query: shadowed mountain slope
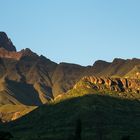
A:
{"x":6,"y":43}
{"x":100,"y":115}
{"x":119,"y":67}
{"x":22,"y":93}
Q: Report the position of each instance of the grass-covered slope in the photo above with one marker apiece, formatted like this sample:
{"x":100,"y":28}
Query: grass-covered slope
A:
{"x":11,"y":112}
{"x":100,"y":115}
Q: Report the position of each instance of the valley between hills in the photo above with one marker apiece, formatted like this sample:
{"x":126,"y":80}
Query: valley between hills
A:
{"x":40,"y":99}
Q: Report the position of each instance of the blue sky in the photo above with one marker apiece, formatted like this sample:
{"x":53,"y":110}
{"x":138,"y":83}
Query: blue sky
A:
{"x":74,"y":31}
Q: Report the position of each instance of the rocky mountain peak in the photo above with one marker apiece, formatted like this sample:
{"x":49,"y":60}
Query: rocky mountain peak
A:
{"x":118,"y":61}
{"x":100,"y":62}
{"x":6,"y":43}
{"x":28,"y":52}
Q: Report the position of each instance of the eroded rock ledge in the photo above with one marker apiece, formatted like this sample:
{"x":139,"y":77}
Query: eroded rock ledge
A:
{"x":112,"y":84}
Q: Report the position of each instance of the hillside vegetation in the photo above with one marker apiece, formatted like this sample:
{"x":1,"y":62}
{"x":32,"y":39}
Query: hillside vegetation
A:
{"x":100,"y":115}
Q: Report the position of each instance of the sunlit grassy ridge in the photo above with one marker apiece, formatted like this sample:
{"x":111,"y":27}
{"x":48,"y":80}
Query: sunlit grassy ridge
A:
{"x":11,"y":112}
{"x":85,"y":87}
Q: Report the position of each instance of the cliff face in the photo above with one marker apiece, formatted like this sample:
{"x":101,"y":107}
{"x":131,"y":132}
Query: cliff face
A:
{"x":110,"y":84}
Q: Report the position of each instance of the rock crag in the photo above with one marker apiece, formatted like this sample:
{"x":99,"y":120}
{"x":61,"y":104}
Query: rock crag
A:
{"x":111,"y":84}
{"x":6,"y":43}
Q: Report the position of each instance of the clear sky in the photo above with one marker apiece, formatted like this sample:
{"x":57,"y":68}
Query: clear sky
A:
{"x":74,"y":31}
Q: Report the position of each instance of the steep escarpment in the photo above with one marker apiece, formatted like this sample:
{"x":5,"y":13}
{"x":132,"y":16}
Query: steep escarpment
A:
{"x":112,"y":84}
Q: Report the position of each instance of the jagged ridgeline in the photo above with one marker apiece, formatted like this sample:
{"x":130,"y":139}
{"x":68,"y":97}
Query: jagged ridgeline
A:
{"x":28,"y":80}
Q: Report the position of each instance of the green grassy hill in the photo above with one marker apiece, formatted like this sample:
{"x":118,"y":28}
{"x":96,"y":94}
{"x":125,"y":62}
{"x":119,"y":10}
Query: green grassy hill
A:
{"x":100,"y":115}
{"x":10,"y":112}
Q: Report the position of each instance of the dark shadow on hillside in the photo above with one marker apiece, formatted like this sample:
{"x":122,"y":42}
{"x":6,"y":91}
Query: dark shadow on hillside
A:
{"x":125,"y":138}
{"x":101,"y":118}
{"x":5,"y":135}
{"x":24,"y":93}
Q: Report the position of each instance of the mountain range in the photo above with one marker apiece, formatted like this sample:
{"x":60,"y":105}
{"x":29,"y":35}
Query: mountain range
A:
{"x":28,"y":79}
{"x":45,"y":99}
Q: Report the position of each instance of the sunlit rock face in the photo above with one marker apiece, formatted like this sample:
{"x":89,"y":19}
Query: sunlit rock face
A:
{"x":17,"y":55}
{"x":9,"y":54}
{"x":111,"y":84}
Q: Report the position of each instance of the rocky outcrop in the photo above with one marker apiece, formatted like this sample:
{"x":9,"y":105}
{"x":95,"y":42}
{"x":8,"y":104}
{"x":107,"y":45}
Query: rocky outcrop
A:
{"x":16,"y":55}
{"x":111,"y":84}
{"x":16,"y":115}
{"x":8,"y":50}
{"x":6,"y":43}
{"x":8,"y":54}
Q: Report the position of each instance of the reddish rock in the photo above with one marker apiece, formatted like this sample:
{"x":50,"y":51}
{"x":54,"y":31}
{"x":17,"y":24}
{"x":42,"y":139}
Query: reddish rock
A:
{"x":113,"y":84}
{"x":16,"y":55}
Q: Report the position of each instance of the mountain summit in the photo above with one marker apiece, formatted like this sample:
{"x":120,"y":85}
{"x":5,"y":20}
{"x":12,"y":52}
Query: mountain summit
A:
{"x":6,"y":43}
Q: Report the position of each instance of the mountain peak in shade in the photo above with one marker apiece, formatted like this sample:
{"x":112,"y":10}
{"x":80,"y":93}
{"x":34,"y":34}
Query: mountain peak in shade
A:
{"x":6,"y":43}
